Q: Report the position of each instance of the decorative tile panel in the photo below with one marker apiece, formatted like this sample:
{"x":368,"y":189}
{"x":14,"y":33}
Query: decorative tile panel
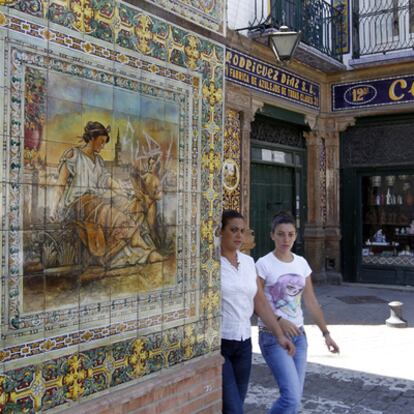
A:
{"x":106,"y":276}
{"x":232,"y":161}
{"x":110,"y":20}
{"x":206,"y":13}
{"x":342,"y":31}
{"x":389,"y":261}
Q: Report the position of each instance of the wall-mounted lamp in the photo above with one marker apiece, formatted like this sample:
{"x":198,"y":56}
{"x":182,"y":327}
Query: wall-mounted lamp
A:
{"x":283,"y":42}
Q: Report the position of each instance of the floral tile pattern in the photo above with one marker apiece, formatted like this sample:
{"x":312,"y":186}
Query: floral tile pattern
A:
{"x":72,"y":323}
{"x":344,"y":28}
{"x":206,"y":13}
{"x":232,"y":161}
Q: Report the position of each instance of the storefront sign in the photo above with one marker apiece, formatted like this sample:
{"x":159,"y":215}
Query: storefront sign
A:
{"x":257,"y":74}
{"x":379,"y":92}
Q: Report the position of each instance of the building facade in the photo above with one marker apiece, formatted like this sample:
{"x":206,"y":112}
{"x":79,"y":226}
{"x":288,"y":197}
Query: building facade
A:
{"x":329,"y":133}
{"x":112,"y":129}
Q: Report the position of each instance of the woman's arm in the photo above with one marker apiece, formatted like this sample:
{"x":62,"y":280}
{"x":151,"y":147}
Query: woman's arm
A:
{"x":263,"y":309}
{"x":315,"y":310}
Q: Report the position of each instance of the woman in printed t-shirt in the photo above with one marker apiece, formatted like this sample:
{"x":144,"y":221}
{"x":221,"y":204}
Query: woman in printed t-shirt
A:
{"x":285,"y":277}
{"x":241,"y":294}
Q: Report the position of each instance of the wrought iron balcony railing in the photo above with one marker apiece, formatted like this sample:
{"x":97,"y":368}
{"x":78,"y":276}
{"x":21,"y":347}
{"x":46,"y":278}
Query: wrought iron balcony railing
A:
{"x":381,"y":26}
{"x":316,"y":19}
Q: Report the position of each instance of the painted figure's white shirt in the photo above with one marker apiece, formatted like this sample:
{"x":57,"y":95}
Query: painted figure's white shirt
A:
{"x":86,"y":175}
{"x":238,"y":289}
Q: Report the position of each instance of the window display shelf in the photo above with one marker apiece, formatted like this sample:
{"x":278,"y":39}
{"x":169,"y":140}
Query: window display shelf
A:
{"x":388,"y":220}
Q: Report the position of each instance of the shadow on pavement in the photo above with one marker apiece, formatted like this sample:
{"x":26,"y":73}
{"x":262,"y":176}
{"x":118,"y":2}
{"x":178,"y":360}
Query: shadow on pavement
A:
{"x":331,"y":390}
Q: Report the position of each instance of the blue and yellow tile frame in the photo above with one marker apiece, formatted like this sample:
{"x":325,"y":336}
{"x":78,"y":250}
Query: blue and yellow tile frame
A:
{"x":206,"y":13}
{"x":99,"y":16}
{"x":109,"y":271}
{"x":232,"y":161}
{"x":343,"y":31}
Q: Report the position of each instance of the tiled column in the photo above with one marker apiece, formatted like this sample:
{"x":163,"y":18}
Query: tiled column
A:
{"x":232,"y":160}
{"x":333,"y":221}
{"x":248,"y":118}
{"x":314,"y":234}
{"x":323,"y":229}
{"x":237,"y":99}
{"x":333,"y":218}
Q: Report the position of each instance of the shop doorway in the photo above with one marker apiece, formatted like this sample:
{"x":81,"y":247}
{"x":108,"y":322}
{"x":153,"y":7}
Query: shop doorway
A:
{"x":277,"y":175}
{"x":271,"y":190}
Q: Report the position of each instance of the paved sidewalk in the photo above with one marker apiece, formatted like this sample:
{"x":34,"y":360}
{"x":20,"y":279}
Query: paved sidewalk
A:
{"x":373,"y":374}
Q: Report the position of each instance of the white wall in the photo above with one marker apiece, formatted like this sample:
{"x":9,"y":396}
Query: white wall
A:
{"x":240,"y":13}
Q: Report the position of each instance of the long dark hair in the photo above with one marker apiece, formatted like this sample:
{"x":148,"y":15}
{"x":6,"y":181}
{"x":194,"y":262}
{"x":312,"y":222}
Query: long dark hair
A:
{"x":95,"y":129}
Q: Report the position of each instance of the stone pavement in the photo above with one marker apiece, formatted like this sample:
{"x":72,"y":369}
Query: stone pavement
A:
{"x":373,"y":374}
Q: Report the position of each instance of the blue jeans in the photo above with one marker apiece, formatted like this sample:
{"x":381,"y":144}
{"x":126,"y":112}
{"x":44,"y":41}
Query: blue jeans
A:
{"x":236,"y":372}
{"x":289,"y":372}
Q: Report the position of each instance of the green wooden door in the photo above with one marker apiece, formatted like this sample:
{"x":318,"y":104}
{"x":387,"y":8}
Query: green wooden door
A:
{"x":271,"y":190}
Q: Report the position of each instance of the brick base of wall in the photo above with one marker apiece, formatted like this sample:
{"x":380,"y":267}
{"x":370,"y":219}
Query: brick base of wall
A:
{"x":194,"y":387}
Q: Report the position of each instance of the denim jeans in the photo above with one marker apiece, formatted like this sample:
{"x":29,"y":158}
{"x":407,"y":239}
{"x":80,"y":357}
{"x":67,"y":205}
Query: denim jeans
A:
{"x":236,"y":372}
{"x":289,"y":372}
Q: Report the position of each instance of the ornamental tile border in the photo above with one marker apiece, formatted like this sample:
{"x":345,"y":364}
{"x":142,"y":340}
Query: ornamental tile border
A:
{"x":205,"y":13}
{"x":389,"y":261}
{"x":232,"y":161}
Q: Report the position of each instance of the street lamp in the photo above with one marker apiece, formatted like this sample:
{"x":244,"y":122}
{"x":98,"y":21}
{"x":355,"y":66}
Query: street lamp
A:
{"x":283,"y":42}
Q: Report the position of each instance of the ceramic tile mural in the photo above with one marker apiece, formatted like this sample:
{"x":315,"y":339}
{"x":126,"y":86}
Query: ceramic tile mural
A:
{"x":111,"y":191}
{"x":232,"y":161}
{"x":206,"y":13}
{"x":342,"y":31}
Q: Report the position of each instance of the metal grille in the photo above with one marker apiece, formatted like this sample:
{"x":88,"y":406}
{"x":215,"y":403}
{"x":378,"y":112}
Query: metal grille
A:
{"x":277,"y":132}
{"x":382,"y":26}
{"x":368,"y":144}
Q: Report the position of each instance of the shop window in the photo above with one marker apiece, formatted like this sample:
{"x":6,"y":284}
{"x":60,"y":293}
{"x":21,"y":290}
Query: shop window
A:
{"x":388,"y":220}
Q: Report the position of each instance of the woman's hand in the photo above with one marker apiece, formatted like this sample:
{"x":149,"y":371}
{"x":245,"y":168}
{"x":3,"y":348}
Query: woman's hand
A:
{"x":289,"y":328}
{"x":287,"y":344}
{"x":331,"y":344}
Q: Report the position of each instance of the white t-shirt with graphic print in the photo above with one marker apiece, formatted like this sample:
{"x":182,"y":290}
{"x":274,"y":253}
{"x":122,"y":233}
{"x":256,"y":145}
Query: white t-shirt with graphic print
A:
{"x":284,"y":284}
